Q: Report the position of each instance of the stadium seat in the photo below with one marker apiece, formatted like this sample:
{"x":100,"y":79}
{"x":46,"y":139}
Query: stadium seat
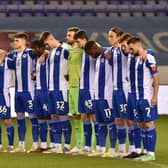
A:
{"x":165,"y":2}
{"x":138,"y":1}
{"x":126,"y":1}
{"x":100,"y":10}
{"x":17,"y":2}
{"x":136,"y":10}
{"x":12,"y":10}
{"x":74,"y":10}
{"x":43,"y":2}
{"x":2,"y":10}
{"x":148,"y":10}
{"x":63,"y":10}
{"x":87,"y":10}
{"x":78,"y":2}
{"x":124,"y":10}
{"x":114,"y":2}
{"x":161,"y":10}
{"x":91,"y":2}
{"x":112,"y":10}
{"x":55,"y":2}
{"x":102,"y":2}
{"x":38,"y":10}
{"x":4,"y":2}
{"x":25,"y":10}
{"x":50,"y":10}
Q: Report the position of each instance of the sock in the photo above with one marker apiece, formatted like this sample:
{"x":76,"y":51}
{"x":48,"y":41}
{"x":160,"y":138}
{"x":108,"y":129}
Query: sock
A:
{"x":112,"y":135}
{"x":151,"y":139}
{"x":21,"y":128}
{"x":96,"y":129}
{"x":131,"y":138}
{"x":102,"y":135}
{"x":121,"y":134}
{"x":43,"y":130}
{"x":35,"y":129}
{"x":66,"y":129}
{"x":144,"y":138}
{"x":79,"y":133}
{"x":0,"y":135}
{"x":87,"y":132}
{"x":137,"y":137}
{"x":10,"y":132}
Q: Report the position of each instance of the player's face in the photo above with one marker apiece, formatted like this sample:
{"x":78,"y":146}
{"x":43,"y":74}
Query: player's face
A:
{"x":125,"y":47}
{"x":81,"y":42}
{"x":134,"y":49}
{"x":70,"y":37}
{"x":94,"y":52}
{"x":19,"y":42}
{"x":50,"y":41}
{"x":113,"y":38}
{"x":37,"y":51}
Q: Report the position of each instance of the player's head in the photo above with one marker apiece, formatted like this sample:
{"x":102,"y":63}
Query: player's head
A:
{"x":114,"y":35}
{"x":48,"y":39}
{"x":37,"y":47}
{"x":135,"y":45}
{"x":70,"y":34}
{"x":92,"y":49}
{"x":123,"y":41}
{"x":81,"y":38}
{"x":20,"y":40}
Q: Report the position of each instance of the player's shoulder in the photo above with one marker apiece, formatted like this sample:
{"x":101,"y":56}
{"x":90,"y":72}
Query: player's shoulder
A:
{"x":151,"y":58}
{"x":65,"y":46}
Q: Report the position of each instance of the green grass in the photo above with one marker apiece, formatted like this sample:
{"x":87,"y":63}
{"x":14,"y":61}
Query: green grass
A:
{"x":23,"y":160}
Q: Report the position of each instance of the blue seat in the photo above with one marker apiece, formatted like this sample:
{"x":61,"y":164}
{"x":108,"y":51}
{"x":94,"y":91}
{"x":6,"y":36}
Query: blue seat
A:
{"x":38,"y":10}
{"x":3,"y":10}
{"x":138,"y":1}
{"x":4,"y":2}
{"x":18,"y":2}
{"x":161,"y":10}
{"x":12,"y":10}
{"x":25,"y":10}
{"x":50,"y":10}
{"x":63,"y":10}
{"x":75,"y":10}
{"x":87,"y":10}
{"x":41,"y":2}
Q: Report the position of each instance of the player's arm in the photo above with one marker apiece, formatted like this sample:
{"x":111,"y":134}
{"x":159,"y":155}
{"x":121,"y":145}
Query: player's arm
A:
{"x":107,"y":54}
{"x":3,"y":54}
{"x":155,"y":89}
{"x":66,"y":56}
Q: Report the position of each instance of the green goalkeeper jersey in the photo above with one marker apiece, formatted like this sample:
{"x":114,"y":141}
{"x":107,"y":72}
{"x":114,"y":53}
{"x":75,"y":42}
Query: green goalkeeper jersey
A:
{"x":74,"y":65}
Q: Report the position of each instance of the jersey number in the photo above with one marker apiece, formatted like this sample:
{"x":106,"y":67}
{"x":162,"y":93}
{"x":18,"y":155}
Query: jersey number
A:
{"x":60,"y":105}
{"x":3,"y":109}
{"x":123,"y":108}
{"x":107,"y":112}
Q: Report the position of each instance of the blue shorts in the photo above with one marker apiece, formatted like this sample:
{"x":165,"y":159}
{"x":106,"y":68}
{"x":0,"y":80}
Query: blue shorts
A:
{"x":57,"y":102}
{"x":145,"y":112}
{"x":5,"y":106}
{"x":131,"y":106}
{"x":23,"y":102}
{"x":85,"y":102}
{"x":103,"y":111}
{"x":119,"y":104}
{"x":40,"y":103}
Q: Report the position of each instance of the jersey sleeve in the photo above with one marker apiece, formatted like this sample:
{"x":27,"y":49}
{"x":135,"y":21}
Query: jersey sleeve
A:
{"x":151,"y":64}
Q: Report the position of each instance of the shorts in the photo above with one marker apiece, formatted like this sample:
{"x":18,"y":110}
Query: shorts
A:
{"x":23,"y":102}
{"x":73,"y":97}
{"x":103,"y":111}
{"x":85,"y":102}
{"x":40,"y":103}
{"x":145,"y":112}
{"x":131,"y":105}
{"x":57,"y":102}
{"x":5,"y":111}
{"x":119,"y":104}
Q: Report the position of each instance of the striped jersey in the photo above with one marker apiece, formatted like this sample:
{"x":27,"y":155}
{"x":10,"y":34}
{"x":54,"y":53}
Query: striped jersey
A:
{"x":87,"y":72}
{"x":5,"y":77}
{"x":57,"y":69}
{"x":23,"y":64}
{"x":103,"y":79}
{"x":119,"y":68}
{"x":145,"y":69}
{"x":41,"y":75}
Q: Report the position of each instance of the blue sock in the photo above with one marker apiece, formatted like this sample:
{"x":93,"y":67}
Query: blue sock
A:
{"x":66,"y":128}
{"x":87,"y":132}
{"x":131,"y":135}
{"x":21,"y":127}
{"x":0,"y":135}
{"x":35,"y":127}
{"x":52,"y":129}
{"x":144,"y":138}
{"x":10,"y":132}
{"x":121,"y":133}
{"x":96,"y":129}
{"x":43,"y":130}
{"x":112,"y":134}
{"x":137,"y":137}
{"x":151,"y":136}
{"x":102,"y":134}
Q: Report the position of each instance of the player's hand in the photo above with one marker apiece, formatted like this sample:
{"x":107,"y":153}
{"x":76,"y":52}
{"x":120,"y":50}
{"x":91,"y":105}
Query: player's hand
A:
{"x":143,"y":56}
{"x":33,"y":76}
{"x":3,"y":55}
{"x":153,"y":101}
{"x":66,"y":77}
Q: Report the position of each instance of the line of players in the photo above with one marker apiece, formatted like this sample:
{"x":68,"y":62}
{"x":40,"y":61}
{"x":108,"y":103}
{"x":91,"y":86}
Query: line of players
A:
{"x":109,"y":88}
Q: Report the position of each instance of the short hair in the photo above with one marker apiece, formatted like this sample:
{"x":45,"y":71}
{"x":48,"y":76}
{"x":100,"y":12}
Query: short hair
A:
{"x":82,"y":34}
{"x":73,"y":29}
{"x":37,"y":43}
{"x":125,"y":37}
{"x":44,"y":35}
{"x":119,"y":31}
{"x":21,"y":35}
{"x":89,"y":45}
{"x":133,"y":40}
